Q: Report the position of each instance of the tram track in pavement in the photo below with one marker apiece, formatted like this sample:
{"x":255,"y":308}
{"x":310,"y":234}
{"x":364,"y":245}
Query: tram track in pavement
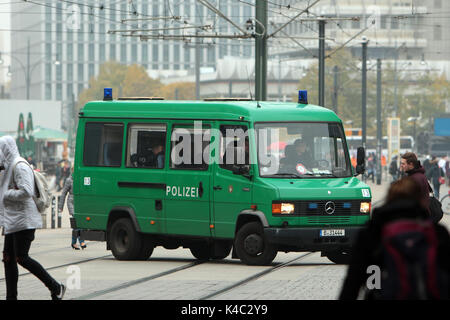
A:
{"x":237,"y":284}
{"x":131,"y":283}
{"x":66,"y":265}
{"x":254,"y":277}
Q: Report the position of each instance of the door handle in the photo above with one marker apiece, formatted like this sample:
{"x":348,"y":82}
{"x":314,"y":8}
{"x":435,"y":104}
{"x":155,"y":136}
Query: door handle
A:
{"x":217,"y":188}
{"x":200,"y":189}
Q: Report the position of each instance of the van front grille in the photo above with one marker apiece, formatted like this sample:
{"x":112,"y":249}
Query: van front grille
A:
{"x":328,"y":220}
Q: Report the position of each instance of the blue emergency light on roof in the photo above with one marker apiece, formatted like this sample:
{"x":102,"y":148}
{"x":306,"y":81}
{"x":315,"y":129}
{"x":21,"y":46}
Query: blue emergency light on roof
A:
{"x":107,"y":94}
{"x":303,"y":96}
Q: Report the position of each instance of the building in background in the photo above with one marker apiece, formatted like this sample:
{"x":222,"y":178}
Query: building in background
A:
{"x":402,"y":29}
{"x":68,"y":42}
{"x":60,"y":45}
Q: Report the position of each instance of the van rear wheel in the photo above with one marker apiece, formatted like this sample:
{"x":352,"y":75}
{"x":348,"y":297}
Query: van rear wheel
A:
{"x":201,"y":251}
{"x":339,"y":257}
{"x":214,"y":251}
{"x":125,"y":242}
{"x":252,"y":247}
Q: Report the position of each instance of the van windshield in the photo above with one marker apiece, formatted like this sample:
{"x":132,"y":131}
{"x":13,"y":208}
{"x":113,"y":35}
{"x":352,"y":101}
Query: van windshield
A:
{"x":302,"y":150}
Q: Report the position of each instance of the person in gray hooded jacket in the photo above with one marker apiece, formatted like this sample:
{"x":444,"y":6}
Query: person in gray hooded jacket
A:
{"x":20,"y":220}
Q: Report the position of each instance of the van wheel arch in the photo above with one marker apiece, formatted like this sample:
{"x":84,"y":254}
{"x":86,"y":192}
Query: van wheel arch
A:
{"x":245,"y":217}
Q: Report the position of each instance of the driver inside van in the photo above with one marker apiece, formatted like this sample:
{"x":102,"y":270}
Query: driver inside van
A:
{"x":302,"y":155}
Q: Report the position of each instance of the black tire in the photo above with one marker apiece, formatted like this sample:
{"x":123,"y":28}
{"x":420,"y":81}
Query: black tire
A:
{"x":214,"y":251}
{"x":146,"y":248}
{"x":125,"y":241}
{"x":252,"y":247}
{"x":222,"y":250}
{"x":201,"y":251}
{"x":339,"y":257}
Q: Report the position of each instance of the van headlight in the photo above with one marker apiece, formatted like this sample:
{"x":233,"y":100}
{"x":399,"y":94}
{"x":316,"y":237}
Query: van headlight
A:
{"x":283,"y":208}
{"x":364,"y":207}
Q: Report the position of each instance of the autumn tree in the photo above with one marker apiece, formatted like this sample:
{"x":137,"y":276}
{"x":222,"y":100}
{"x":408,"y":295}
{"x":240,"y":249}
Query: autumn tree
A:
{"x":126,"y":81}
{"x":178,"y":91}
{"x":415,"y":93}
{"x":137,"y":83}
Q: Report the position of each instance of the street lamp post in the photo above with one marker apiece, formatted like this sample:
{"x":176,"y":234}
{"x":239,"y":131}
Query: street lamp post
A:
{"x":28,"y":69}
{"x":364,"y":89}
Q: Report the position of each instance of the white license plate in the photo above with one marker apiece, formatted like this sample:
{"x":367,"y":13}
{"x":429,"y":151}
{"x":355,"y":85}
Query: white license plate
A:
{"x":332,"y":233}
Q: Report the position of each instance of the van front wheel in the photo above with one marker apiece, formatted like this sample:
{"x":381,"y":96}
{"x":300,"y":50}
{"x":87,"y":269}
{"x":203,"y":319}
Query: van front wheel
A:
{"x":252,"y":247}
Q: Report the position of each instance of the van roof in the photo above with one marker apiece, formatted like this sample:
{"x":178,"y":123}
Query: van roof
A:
{"x":208,"y":110}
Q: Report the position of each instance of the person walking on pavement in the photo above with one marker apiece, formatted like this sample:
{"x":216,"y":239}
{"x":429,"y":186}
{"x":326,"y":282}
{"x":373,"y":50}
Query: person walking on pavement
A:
{"x":393,"y":169}
{"x":434,"y":174}
{"x":410,"y":166}
{"x":67,"y":190}
{"x":374,"y":245}
{"x":20,"y":220}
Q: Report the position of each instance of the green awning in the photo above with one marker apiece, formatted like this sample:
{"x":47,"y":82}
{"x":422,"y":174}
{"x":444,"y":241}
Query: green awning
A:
{"x":49,"y":134}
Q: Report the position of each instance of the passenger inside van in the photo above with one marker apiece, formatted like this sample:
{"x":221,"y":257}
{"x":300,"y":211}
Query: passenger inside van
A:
{"x":153,"y":158}
{"x":158,"y":156}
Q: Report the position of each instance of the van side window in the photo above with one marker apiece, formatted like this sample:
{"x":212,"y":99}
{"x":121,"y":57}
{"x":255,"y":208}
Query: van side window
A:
{"x":146,"y":145}
{"x":103,"y":144}
{"x":188,"y":148}
{"x":234,"y":146}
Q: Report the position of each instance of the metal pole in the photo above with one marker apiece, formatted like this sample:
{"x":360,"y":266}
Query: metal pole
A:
{"x":321,"y":62}
{"x":364,"y":92}
{"x":335,"y":89}
{"x":197,"y":70}
{"x":395,"y":84}
{"x":53,"y":211}
{"x":279,"y":79}
{"x":59,"y":214}
{"x":261,"y":51}
{"x":28,"y":80}
{"x":379,"y":124}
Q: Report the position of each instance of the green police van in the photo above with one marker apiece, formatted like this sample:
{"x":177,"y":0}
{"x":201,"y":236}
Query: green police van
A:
{"x":247,"y":177}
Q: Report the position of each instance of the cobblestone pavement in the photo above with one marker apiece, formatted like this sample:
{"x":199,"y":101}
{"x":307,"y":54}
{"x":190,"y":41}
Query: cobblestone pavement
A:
{"x":103,"y":277}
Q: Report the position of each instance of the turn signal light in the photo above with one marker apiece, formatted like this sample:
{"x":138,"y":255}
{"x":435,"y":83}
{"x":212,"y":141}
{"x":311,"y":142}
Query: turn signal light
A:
{"x":283,"y":208}
{"x":365,"y":207}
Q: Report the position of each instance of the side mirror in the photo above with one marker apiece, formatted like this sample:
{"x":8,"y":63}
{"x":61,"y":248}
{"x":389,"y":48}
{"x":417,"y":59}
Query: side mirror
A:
{"x":360,"y":161}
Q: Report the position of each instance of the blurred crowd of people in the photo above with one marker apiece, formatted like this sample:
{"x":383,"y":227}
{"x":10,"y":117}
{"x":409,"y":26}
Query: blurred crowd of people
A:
{"x":436,"y":170}
{"x":403,"y":252}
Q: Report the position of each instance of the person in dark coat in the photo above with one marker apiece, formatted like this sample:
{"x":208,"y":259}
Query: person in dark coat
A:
{"x":401,"y":203}
{"x":433,"y":174}
{"x":393,"y":169}
{"x":412,"y":168}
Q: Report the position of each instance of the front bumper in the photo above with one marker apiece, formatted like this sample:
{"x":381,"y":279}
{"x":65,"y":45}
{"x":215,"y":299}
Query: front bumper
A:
{"x":309,"y":239}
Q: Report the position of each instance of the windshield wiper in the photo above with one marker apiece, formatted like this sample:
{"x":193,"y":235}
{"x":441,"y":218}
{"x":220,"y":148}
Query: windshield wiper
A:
{"x":292,"y":175}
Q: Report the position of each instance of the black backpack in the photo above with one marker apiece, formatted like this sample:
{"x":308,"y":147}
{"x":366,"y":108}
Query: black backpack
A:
{"x":410,"y":269}
{"x":393,"y":168}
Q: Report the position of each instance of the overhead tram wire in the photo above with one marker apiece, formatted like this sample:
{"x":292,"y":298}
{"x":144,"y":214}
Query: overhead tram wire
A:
{"x":82,"y":13}
{"x":101,"y":7}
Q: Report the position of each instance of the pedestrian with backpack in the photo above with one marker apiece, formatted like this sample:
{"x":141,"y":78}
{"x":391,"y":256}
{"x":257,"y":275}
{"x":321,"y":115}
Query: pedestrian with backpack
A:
{"x":20,"y":220}
{"x":410,"y":252}
{"x":393,"y":169}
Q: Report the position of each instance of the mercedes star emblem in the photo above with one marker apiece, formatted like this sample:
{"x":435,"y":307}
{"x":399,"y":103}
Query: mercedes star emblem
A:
{"x":330,"y":207}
